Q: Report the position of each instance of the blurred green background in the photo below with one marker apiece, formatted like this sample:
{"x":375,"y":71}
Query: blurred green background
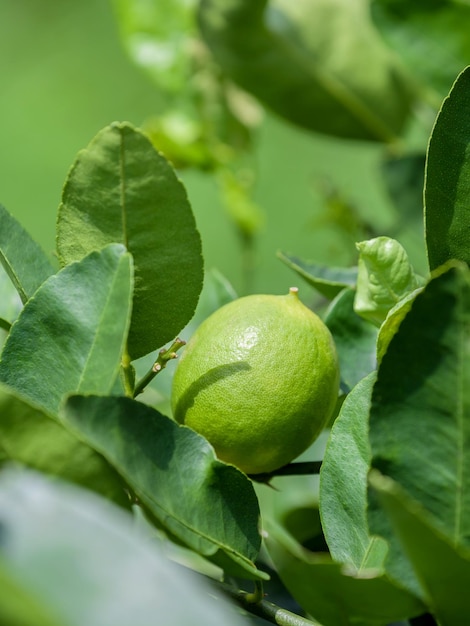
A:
{"x":65,"y":75}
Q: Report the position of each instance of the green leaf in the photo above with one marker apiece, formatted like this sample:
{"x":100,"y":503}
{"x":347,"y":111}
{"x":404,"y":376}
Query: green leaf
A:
{"x":356,"y":90}
{"x":331,"y":593}
{"x":385,"y":277}
{"x":343,"y":484}
{"x":442,"y":568}
{"x":431,"y":36}
{"x":87,"y":561}
{"x":447,"y":188}
{"x":329,"y":281}
{"x":121,"y":189}
{"x":156,"y":35}
{"x":420,"y":412}
{"x":392,"y":322}
{"x":355,"y":339}
{"x":22,"y":258}
{"x":10,"y":305}
{"x":209,"y":506}
{"x":70,"y":336}
{"x":31,"y":437}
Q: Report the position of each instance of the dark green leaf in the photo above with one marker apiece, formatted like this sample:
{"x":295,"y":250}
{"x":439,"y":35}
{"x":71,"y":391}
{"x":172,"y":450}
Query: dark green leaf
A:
{"x":31,"y":437}
{"x":355,"y":340}
{"x":121,"y":189}
{"x":287,"y":54}
{"x":404,"y":180}
{"x":87,"y":560}
{"x":333,"y":594}
{"x":209,"y":506}
{"x":442,"y":568}
{"x":420,"y":412}
{"x":447,"y":189}
{"x":70,"y":336}
{"x":23,"y":260}
{"x":329,"y":281}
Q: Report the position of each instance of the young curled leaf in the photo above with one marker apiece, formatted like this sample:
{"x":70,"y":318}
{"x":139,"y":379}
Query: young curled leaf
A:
{"x":385,"y":276}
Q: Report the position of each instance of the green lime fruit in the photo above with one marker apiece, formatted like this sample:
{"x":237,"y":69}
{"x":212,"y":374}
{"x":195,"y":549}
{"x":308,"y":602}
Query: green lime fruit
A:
{"x":259,"y":380}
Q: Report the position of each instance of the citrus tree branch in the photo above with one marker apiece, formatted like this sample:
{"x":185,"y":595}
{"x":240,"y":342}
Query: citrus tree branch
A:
{"x":267,"y":610}
{"x":292,"y":469}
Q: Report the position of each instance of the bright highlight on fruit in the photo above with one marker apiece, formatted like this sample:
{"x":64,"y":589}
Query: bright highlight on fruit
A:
{"x":259,"y":380}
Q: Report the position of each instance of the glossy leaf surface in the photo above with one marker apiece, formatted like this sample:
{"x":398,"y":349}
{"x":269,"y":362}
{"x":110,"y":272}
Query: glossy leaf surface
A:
{"x":22,"y":258}
{"x":447,"y":187}
{"x":209,"y":506}
{"x":355,"y":90}
{"x":419,"y":420}
{"x":87,"y":561}
{"x":71,"y":335}
{"x":121,"y":189}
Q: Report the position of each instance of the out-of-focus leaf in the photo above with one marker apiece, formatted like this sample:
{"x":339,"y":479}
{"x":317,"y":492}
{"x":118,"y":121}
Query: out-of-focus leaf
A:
{"x":420,"y":413}
{"x":19,"y":606}
{"x":10,"y":305}
{"x":331,"y":593}
{"x":22,"y":258}
{"x":404,"y":180}
{"x":431,"y":36}
{"x":160,"y":37}
{"x":329,"y":281}
{"x":86,"y":561}
{"x":447,"y":188}
{"x":287,"y":54}
{"x":31,"y":437}
{"x":385,"y":277}
{"x":343,"y":485}
{"x":209,"y":506}
{"x":121,"y":189}
{"x":355,"y":340}
{"x":70,"y":337}
{"x":442,"y":568}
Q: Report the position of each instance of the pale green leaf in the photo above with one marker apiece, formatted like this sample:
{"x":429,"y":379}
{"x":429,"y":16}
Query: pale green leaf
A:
{"x":385,"y":277}
{"x":22,"y":258}
{"x":121,"y":189}
{"x":343,"y":485}
{"x":70,"y":336}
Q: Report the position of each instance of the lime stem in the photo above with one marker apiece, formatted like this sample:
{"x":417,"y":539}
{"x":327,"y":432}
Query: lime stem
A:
{"x":164,"y":356}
